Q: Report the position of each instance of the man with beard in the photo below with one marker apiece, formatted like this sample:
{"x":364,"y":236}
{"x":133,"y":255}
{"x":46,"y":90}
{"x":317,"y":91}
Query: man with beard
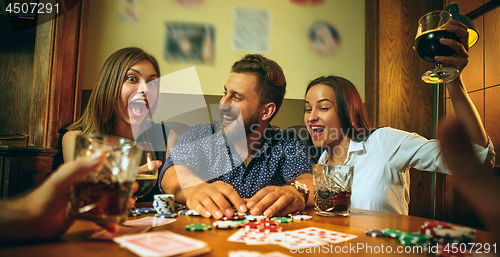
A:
{"x":240,"y":160}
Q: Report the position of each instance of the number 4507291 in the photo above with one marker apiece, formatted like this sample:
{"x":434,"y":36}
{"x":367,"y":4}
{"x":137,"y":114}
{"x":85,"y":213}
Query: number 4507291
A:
{"x":32,"y":8}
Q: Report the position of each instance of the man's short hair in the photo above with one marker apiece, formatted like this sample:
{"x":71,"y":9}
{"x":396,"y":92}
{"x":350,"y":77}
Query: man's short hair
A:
{"x":271,"y":83}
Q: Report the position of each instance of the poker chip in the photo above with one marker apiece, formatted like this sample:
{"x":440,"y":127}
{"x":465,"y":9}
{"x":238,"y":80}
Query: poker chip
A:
{"x":392,"y":232}
{"x":189,"y":212}
{"x":145,"y":210}
{"x":450,"y":233}
{"x":282,"y":219}
{"x":198,"y":227}
{"x":235,"y":217}
{"x":178,"y":207}
{"x":226,"y":224}
{"x":163,"y":203}
{"x":413,"y":239}
{"x":166,"y":215}
{"x":251,"y":225}
{"x":268,"y":223}
{"x":255,"y":218}
{"x":301,"y":217}
{"x":375,"y":233}
{"x":270,"y":229}
{"x":243,"y":221}
{"x":133,"y":213}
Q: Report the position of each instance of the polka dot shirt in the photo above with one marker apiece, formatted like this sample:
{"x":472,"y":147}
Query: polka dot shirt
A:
{"x":204,"y":151}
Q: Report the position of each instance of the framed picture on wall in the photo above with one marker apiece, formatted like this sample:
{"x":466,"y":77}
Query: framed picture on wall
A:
{"x":189,"y":42}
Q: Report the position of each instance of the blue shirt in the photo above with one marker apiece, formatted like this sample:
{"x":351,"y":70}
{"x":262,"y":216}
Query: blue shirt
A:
{"x":204,"y":150}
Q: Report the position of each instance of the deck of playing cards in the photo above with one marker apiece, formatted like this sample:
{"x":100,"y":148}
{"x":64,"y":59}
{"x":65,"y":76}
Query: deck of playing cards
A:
{"x":164,"y":243}
{"x":306,"y":237}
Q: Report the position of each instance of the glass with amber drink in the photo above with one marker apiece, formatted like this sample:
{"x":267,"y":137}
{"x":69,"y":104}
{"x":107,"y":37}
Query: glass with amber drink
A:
{"x":332,"y":189}
{"x":431,"y":28}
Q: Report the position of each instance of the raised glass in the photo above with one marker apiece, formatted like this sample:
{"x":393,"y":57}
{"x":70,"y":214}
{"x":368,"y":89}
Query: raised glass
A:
{"x":431,"y":28}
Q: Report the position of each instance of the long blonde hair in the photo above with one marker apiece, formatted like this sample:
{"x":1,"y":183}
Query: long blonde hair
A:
{"x":98,"y":116}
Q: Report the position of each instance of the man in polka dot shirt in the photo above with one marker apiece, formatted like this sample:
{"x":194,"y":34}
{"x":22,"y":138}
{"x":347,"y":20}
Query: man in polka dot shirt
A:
{"x":263,"y":170}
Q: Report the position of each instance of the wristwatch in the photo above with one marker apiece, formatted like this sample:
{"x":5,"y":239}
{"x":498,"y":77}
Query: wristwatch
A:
{"x":302,"y":188}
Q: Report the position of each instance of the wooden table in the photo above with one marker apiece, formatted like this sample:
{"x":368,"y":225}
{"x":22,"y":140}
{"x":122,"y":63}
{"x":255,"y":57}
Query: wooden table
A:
{"x":75,"y":242}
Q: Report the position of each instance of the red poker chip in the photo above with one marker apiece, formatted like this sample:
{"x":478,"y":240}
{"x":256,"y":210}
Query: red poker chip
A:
{"x":268,"y":223}
{"x":270,"y":229}
{"x":250,"y":225}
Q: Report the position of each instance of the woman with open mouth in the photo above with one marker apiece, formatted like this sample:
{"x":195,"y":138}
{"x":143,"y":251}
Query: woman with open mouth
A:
{"x":337,"y":121}
{"x":122,"y":103}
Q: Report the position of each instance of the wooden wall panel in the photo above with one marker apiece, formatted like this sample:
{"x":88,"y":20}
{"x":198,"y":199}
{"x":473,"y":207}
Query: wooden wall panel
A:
{"x":42,"y":72}
{"x":492,"y":113}
{"x":405,"y":102}
{"x":63,"y":83}
{"x":16,"y":60}
{"x":492,"y":47}
{"x":395,"y":95}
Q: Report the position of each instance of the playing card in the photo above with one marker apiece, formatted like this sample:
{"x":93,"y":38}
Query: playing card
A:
{"x":325,"y":235}
{"x":163,"y":243}
{"x":148,"y":222}
{"x":106,"y":235}
{"x":252,"y":237}
{"x":294,"y":240}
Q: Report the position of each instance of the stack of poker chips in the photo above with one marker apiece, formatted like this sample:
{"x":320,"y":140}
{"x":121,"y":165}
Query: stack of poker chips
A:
{"x":444,"y":233}
{"x":404,"y":238}
{"x":164,"y":203}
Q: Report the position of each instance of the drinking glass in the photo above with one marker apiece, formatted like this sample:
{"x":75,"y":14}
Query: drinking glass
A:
{"x":430,"y":30}
{"x":148,"y":170}
{"x":332,"y":189}
{"x":104,"y":194}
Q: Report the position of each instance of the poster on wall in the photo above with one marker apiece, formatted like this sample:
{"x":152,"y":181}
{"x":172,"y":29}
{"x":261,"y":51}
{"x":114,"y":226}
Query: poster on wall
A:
{"x":128,"y":10}
{"x":189,"y":42}
{"x":324,"y":38}
{"x":251,"y":29}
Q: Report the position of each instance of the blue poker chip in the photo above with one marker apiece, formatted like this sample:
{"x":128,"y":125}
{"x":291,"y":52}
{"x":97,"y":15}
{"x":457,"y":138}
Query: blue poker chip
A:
{"x":133,"y":214}
{"x":145,"y":210}
{"x":166,"y":215}
{"x":375,"y":233}
{"x":189,"y":212}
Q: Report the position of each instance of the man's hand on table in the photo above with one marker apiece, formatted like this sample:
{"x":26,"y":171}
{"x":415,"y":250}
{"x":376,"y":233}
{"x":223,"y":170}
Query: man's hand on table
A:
{"x":214,"y":199}
{"x":276,"y":201}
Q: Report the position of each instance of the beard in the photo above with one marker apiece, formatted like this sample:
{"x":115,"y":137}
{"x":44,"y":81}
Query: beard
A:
{"x":234,"y":130}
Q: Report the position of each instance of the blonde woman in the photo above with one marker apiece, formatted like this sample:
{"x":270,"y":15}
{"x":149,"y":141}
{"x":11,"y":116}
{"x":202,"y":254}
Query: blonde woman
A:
{"x":121,"y":103}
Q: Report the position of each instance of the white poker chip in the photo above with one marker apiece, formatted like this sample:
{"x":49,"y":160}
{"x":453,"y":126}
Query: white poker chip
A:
{"x":255,"y":218}
{"x":465,"y":230}
{"x":301,"y":217}
{"x":450,"y":233}
{"x":226,"y":224}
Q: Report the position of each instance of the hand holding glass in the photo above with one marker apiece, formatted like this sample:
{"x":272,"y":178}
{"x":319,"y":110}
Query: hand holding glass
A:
{"x":148,"y":170}
{"x":103,"y":195}
{"x":431,"y":28}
